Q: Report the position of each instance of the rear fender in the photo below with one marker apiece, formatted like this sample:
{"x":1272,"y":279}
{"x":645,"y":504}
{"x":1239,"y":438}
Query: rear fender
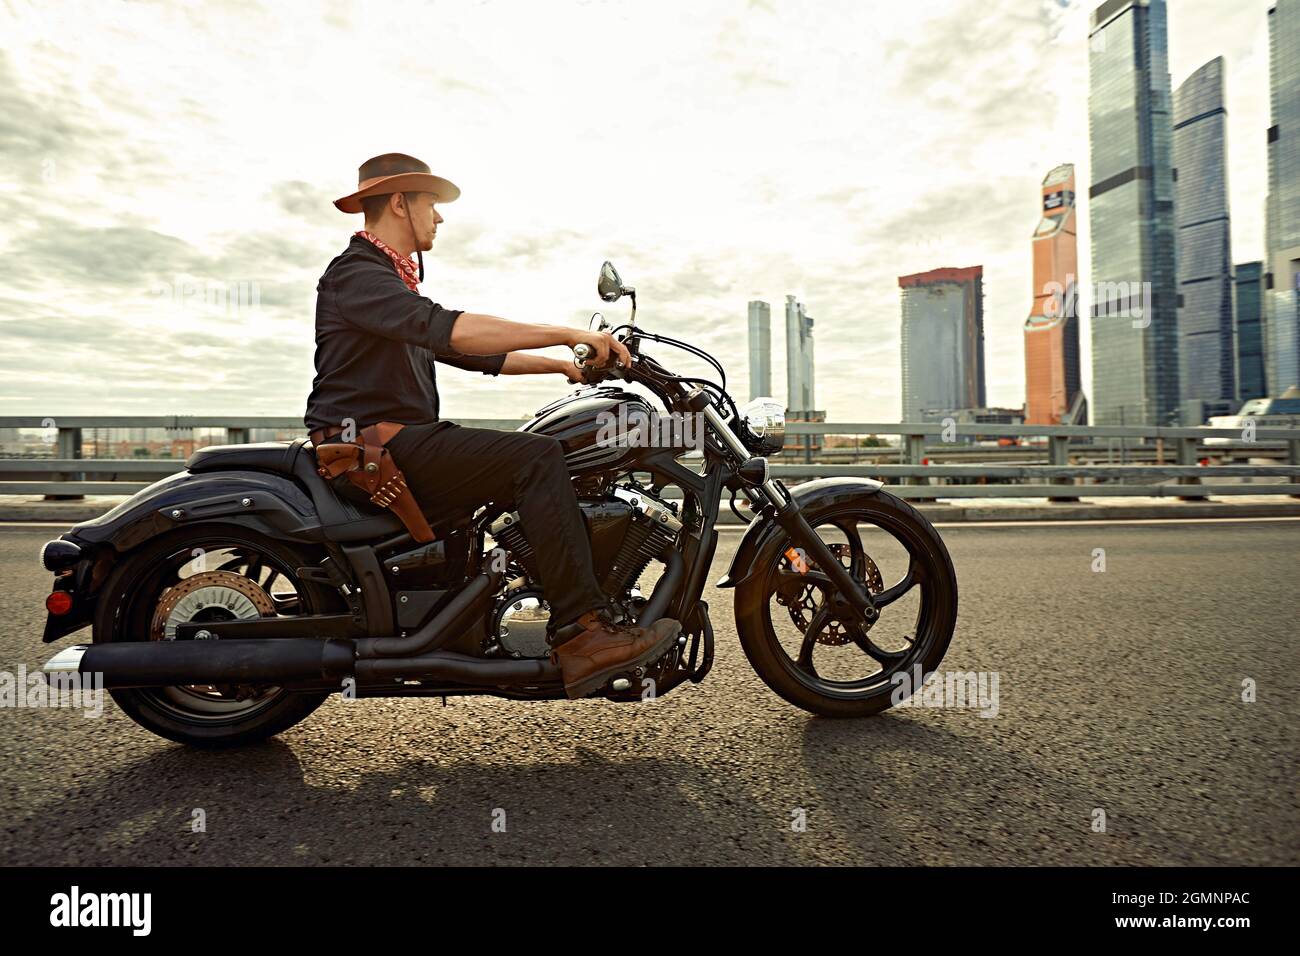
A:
{"x":263,"y":502}
{"x":271,"y":504}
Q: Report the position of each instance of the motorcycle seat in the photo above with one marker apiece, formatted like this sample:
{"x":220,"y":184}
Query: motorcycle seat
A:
{"x":346,"y":513}
{"x":277,"y":456}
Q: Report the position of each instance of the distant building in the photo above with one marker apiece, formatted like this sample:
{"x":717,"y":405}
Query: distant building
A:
{"x":942,"y":342}
{"x":1052,"y":378}
{"x":1250,"y":332}
{"x":1131,"y":215}
{"x":760,"y":349}
{"x":1282,"y":212}
{"x":800,"y":395}
{"x":1206,"y":343}
{"x":801,"y":401}
{"x":975,"y":416}
{"x":805,"y":447}
{"x":11,"y":443}
{"x":989,"y":416}
{"x":138,"y":443}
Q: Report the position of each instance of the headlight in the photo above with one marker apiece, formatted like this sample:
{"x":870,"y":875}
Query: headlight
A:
{"x":764,"y":420}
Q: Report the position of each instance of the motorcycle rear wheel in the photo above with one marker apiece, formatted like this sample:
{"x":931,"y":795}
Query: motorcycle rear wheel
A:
{"x":201,"y":715}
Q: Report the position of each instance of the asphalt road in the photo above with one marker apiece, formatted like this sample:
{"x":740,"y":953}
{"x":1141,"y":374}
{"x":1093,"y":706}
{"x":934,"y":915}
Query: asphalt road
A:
{"x":1119,"y":690}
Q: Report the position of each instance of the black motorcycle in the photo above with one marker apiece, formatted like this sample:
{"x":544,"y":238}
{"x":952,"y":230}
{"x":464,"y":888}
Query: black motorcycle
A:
{"x":229,"y":600}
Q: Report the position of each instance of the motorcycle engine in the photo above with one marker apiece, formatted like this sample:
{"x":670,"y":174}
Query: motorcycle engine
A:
{"x":628,"y":528}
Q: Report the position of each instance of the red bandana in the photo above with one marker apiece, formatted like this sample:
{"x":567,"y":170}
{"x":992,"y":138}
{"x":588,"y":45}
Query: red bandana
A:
{"x":404,"y":266}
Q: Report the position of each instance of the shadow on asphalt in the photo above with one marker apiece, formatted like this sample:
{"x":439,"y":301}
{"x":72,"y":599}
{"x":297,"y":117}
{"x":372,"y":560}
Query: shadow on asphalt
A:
{"x":888,"y":791}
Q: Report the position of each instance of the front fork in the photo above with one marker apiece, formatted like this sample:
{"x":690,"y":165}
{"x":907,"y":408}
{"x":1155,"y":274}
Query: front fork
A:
{"x":855,"y":601}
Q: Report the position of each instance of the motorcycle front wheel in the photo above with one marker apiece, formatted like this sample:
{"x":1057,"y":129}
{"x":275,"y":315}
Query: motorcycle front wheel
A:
{"x":807,"y":651}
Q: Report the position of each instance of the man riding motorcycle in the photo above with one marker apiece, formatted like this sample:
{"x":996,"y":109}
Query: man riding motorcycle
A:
{"x":377,"y":340}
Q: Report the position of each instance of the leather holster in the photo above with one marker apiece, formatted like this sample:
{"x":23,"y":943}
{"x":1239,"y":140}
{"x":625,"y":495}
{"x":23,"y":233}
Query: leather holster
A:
{"x":370,"y":467}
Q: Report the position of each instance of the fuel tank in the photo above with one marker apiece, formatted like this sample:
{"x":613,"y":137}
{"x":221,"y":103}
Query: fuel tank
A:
{"x":600,"y":428}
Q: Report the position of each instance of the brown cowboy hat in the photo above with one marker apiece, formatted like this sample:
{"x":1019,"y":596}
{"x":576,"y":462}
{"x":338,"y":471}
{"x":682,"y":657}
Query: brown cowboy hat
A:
{"x":396,"y":173}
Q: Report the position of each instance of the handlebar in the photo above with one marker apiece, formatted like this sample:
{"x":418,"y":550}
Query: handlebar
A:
{"x":591,"y":375}
{"x":583,"y":354}
{"x":642,"y":369}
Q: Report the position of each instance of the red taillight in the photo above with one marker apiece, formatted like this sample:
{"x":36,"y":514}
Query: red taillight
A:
{"x":59,"y":602}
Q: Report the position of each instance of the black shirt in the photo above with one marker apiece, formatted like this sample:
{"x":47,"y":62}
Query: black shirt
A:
{"x":376,"y":344}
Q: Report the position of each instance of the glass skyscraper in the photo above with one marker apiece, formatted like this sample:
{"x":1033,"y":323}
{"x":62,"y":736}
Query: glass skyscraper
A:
{"x":799,"y":376}
{"x":942,"y":343}
{"x":760,"y":349}
{"x":1206,"y":348}
{"x":1131,"y":209}
{"x":1251,"y":382}
{"x":1282,"y":240}
{"x":1052,"y":381}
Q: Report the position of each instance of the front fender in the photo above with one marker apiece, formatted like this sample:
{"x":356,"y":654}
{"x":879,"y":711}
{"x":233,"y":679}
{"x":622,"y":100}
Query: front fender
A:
{"x":265,"y":502}
{"x":811,"y":496}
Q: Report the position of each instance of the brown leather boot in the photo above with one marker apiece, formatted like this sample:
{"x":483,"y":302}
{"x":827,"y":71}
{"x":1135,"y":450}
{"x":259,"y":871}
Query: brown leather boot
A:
{"x":603,"y":650}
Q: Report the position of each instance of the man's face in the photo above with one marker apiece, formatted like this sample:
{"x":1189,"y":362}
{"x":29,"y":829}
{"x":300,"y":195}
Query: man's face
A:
{"x":425,"y":218}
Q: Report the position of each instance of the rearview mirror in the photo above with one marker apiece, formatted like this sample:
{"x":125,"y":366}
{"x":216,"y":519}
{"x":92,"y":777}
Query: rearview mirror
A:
{"x":610,"y":285}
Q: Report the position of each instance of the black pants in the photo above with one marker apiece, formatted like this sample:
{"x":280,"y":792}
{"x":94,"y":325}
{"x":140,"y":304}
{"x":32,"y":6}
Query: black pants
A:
{"x":448,"y":467}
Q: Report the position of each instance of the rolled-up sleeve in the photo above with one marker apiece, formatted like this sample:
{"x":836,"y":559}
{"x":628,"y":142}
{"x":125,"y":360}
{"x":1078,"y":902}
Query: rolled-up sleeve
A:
{"x":487,"y":364}
{"x":371,"y":297}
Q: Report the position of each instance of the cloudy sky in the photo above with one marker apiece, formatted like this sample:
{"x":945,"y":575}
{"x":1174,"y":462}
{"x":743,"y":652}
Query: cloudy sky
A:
{"x":715,"y":150}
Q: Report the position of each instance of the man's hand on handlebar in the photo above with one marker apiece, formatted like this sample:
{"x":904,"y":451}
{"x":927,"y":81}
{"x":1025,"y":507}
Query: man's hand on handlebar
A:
{"x":601,"y":348}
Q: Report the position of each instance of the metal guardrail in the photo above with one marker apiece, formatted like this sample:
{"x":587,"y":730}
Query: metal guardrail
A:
{"x":68,"y":475}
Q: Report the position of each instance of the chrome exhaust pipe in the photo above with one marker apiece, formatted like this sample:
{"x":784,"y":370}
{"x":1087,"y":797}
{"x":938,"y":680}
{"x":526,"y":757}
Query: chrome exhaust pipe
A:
{"x":67,"y":661}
